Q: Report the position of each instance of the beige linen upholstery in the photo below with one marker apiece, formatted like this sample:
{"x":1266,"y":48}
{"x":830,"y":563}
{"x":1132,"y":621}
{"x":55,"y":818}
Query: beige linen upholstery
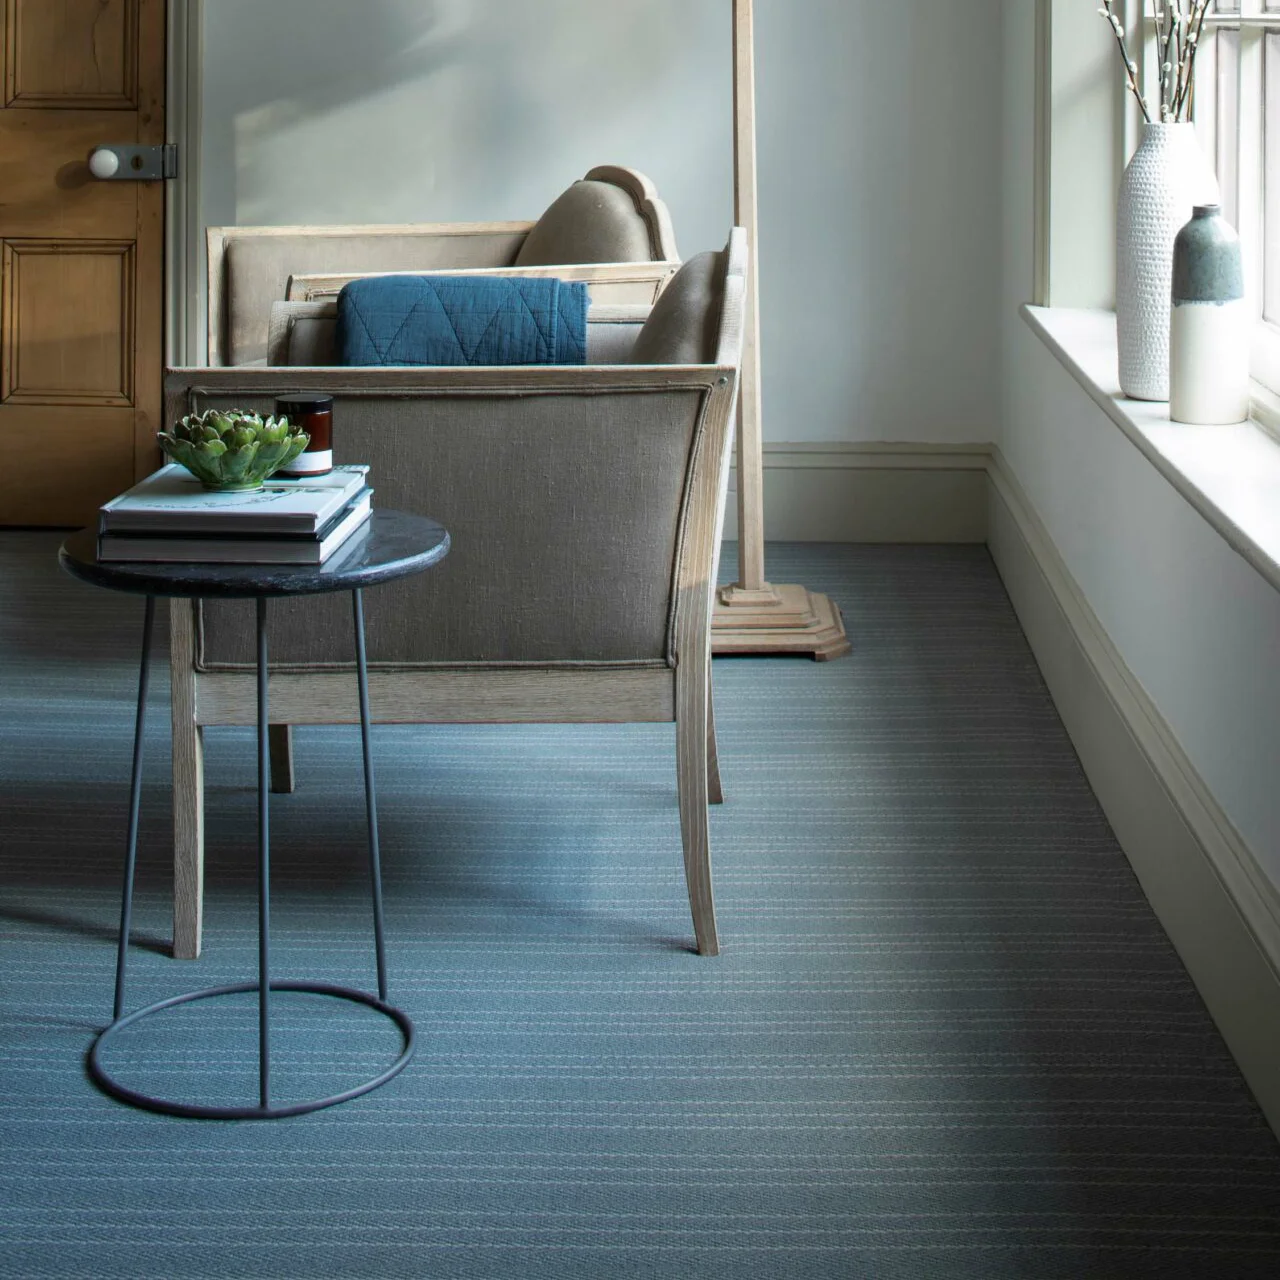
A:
{"x":591,"y":222}
{"x":585,"y":504}
{"x":682,"y":327}
{"x":612,"y":215}
{"x":522,"y":506}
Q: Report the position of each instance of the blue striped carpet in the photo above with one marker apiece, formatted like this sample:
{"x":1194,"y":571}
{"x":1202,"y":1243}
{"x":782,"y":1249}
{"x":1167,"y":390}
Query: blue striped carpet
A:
{"x":946,"y":1037}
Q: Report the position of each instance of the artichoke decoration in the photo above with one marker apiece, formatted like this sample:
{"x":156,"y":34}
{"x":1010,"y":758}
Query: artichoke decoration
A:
{"x":231,"y":449}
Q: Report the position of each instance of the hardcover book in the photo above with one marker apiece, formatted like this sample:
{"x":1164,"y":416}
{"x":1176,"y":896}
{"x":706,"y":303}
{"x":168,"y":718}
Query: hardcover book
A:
{"x":172,"y":500}
{"x":240,"y":548}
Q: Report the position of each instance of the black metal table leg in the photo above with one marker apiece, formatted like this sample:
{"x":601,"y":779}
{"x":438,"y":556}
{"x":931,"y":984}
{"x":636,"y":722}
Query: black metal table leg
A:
{"x":135,"y":806}
{"x":370,"y":799}
{"x":264,"y":985}
{"x":264,"y":869}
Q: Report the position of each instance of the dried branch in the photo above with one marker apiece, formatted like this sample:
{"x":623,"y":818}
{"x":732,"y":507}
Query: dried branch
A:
{"x":1178,"y":28}
{"x":1130,"y":66}
{"x":1185,"y":101}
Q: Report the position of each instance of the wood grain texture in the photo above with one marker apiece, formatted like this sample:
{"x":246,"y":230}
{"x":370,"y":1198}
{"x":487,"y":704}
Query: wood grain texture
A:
{"x":746,"y":215}
{"x":150,"y":252}
{"x":186,"y":386}
{"x":68,"y":322}
{"x":188,"y":784}
{"x":72,"y":54}
{"x":81,"y":319}
{"x":788,"y":619}
{"x":491,"y":695}
{"x":615,"y":283}
{"x":715,"y":791}
{"x":692,"y":618}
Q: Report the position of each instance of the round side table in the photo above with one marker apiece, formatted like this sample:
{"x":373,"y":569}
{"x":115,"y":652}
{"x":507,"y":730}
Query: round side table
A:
{"x":392,"y":544}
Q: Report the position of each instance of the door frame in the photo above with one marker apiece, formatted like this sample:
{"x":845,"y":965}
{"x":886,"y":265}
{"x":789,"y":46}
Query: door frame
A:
{"x":184,"y":73}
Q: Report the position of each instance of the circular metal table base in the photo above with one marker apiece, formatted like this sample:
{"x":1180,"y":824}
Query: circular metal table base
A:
{"x":102,"y":1078}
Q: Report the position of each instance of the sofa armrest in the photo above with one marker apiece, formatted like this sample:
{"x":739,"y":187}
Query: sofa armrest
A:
{"x":566,"y":492}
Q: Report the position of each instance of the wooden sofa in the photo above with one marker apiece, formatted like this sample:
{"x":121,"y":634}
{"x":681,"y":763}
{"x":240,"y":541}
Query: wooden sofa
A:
{"x":585,"y":505}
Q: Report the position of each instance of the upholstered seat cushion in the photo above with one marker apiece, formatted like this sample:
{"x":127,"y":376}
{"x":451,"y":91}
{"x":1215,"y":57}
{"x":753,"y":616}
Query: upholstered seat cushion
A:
{"x":461,"y":320}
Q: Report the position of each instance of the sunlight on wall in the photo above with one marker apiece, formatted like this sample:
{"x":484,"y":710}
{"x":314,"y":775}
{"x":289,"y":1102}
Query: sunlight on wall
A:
{"x":405,"y":110}
{"x":879,"y":152}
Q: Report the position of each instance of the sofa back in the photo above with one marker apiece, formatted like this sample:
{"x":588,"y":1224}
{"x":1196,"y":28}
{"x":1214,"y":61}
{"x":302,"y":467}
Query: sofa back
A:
{"x":612,"y":215}
{"x":250,"y":267}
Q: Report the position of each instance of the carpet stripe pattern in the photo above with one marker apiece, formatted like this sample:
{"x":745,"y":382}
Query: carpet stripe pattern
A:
{"x":946,"y":1036}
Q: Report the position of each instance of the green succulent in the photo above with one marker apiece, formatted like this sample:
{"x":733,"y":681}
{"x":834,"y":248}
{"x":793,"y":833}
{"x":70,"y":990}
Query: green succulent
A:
{"x":231,"y":449}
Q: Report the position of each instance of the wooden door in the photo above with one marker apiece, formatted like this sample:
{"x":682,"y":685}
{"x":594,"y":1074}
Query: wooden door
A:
{"x":81,"y":282}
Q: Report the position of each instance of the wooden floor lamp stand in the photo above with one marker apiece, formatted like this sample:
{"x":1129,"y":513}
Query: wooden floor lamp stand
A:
{"x":752,"y":615}
{"x":787,"y":618}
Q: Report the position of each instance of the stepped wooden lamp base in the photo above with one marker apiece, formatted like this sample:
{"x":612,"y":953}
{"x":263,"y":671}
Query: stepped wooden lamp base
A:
{"x":777,"y":619}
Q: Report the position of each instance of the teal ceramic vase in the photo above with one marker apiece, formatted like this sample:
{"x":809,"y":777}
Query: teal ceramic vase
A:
{"x":1209,"y":323}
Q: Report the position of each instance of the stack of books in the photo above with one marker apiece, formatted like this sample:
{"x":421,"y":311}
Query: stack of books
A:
{"x":169,"y":516}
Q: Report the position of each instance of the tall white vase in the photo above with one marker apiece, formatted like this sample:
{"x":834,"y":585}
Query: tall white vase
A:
{"x":1166,"y":178}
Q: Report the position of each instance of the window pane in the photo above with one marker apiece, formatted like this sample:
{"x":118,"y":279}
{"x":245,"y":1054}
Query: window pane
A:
{"x":1271,"y":180}
{"x":1228,"y":149}
{"x":1204,"y":98}
{"x":1227,"y":6}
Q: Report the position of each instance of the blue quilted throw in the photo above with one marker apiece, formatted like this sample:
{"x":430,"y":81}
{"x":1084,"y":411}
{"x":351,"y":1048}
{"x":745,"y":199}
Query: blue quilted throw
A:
{"x":453,"y":320}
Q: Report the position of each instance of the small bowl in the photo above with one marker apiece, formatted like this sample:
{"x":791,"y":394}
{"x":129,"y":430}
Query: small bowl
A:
{"x":232,"y":450}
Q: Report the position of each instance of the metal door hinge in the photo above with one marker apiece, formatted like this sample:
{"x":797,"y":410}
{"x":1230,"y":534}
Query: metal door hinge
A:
{"x":119,"y":162}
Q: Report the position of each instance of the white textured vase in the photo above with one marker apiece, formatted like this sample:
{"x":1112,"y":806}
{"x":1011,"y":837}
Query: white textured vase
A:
{"x":1166,"y":178}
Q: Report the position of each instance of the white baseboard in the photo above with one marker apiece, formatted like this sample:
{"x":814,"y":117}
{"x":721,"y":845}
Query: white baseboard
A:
{"x":1217,"y":906}
{"x":871,"y":493}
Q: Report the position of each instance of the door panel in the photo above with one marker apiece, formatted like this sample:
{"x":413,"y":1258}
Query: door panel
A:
{"x":72,"y":53}
{"x":68,"y":317}
{"x":81,"y":276}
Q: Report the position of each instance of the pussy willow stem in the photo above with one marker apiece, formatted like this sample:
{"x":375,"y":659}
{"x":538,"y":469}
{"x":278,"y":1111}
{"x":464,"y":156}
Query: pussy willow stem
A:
{"x":1128,"y":65}
{"x":1186,"y":98}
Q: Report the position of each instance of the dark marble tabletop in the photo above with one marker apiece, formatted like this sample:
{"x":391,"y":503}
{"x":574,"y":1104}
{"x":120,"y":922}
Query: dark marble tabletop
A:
{"x":391,"y":544}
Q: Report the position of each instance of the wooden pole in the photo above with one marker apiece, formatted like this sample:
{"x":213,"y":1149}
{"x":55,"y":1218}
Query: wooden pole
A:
{"x":752,"y":615}
{"x":750,"y":444}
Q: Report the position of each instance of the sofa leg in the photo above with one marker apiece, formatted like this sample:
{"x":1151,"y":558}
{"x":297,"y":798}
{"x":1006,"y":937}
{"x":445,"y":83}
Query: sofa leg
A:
{"x":692,"y":774}
{"x":715,"y":793}
{"x":188,"y":785}
{"x":188,"y":844}
{"x":280,"y":742}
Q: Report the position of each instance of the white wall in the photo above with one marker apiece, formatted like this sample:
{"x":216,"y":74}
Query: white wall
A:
{"x":1193,"y":621}
{"x":879,"y":165}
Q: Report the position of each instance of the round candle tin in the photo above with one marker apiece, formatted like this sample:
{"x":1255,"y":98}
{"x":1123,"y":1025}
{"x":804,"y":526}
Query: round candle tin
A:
{"x":314,"y":415}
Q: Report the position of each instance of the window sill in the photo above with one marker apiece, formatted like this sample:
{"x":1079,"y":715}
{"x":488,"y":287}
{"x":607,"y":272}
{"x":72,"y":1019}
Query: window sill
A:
{"x":1230,"y":474}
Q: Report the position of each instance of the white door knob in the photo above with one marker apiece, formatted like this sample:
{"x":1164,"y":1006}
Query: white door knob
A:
{"x":104,"y":163}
